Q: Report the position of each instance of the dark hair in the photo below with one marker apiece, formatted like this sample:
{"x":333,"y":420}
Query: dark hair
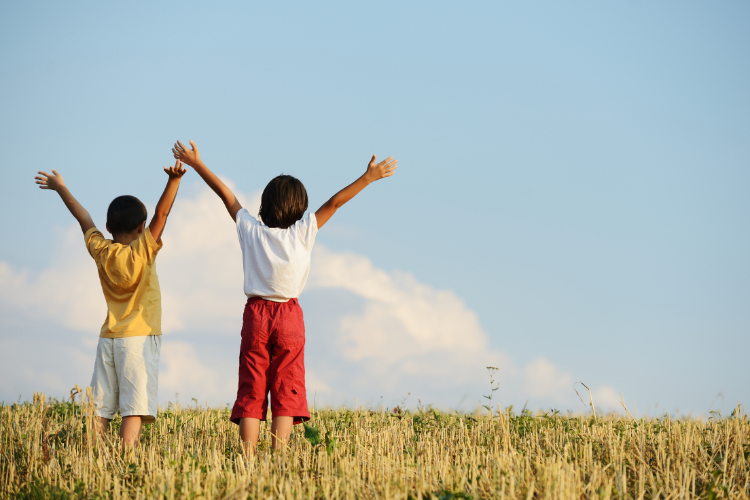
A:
{"x":125,"y":214}
{"x":283,"y":202}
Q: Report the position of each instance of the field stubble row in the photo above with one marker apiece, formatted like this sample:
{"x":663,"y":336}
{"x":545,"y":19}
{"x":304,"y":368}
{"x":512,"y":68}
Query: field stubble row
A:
{"x":48,"y":450}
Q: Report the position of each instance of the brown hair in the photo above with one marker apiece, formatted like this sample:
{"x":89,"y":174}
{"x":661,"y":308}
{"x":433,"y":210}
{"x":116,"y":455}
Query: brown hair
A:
{"x":283,"y":202}
{"x":125,"y":214}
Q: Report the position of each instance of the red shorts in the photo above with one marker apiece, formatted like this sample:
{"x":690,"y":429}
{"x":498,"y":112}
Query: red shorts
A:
{"x":272,"y":359}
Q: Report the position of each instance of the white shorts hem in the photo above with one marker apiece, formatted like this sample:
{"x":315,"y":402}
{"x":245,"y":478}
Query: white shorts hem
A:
{"x":136,"y":413}
{"x":148,"y":418}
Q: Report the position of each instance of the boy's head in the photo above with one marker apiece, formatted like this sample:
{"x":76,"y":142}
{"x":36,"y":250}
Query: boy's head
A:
{"x":125,"y":214}
{"x":283,"y":202}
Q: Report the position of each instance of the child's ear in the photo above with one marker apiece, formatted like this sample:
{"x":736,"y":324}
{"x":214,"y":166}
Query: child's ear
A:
{"x":106,"y":226}
{"x":141,"y":227}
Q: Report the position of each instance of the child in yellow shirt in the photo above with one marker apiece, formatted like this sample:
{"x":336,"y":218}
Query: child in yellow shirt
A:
{"x":126,"y":371}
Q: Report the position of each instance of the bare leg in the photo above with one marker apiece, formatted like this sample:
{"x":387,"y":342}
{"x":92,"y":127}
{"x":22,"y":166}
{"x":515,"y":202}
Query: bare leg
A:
{"x":281,"y":428}
{"x":101,"y":425}
{"x":249,"y":432}
{"x":130,"y":430}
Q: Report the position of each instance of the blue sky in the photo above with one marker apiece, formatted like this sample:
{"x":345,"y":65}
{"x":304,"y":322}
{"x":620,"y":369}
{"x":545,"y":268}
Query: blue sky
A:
{"x":575,"y":174}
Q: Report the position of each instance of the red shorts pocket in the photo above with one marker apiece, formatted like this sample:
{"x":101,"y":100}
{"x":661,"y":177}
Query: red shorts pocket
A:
{"x":288,"y":394}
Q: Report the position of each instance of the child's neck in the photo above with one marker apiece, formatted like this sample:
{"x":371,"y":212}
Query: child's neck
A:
{"x":126,"y":238}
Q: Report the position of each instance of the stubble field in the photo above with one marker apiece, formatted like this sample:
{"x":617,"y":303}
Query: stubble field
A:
{"x":47,"y":450}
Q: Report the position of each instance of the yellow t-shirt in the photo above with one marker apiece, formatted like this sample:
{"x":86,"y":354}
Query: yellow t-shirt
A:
{"x":129,"y":283}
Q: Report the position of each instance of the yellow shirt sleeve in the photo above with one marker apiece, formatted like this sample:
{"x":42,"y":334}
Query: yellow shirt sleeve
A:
{"x":122,"y":265}
{"x":95,"y":242}
{"x":145,"y":247}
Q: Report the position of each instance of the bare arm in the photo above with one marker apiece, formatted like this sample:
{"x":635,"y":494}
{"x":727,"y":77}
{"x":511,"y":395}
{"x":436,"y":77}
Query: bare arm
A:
{"x":192,"y":158}
{"x":375,"y":171}
{"x":167,"y":200}
{"x":55,"y":182}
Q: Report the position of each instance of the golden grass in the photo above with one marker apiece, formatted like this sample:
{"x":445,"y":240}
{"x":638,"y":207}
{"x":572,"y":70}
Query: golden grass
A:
{"x":47,"y":450}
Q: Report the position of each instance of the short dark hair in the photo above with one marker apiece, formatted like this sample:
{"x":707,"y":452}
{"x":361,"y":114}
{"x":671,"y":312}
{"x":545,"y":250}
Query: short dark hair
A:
{"x":283,"y":202}
{"x":125,"y":214}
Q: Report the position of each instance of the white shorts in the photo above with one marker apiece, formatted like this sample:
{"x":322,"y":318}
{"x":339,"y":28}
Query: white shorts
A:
{"x":126,"y":377}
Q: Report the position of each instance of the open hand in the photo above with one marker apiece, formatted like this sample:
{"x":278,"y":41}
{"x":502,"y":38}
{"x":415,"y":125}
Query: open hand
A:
{"x":385,"y":168}
{"x":175,"y":172}
{"x":189,"y":156}
{"x":47,"y":181}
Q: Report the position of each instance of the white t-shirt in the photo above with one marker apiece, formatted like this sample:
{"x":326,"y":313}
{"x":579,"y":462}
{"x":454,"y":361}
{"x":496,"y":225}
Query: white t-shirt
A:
{"x":276,"y":261}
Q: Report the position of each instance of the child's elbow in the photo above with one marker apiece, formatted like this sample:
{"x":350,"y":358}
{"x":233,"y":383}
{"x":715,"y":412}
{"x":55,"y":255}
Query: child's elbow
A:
{"x":336,"y":203}
{"x":160,"y":219}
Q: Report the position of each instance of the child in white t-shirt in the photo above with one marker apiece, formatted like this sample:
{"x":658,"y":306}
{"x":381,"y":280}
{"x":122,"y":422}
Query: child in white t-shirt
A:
{"x":276,"y":262}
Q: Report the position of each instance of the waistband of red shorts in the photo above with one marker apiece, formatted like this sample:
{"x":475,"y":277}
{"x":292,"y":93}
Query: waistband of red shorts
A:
{"x":251,"y":300}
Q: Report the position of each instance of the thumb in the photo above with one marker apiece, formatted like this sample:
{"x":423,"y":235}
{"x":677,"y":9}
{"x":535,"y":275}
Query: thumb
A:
{"x":373,"y":159}
{"x":55,"y":172}
{"x":192,"y":145}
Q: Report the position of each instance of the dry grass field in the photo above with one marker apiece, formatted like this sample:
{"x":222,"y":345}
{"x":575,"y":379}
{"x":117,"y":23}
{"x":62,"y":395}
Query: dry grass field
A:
{"x":47,"y":450}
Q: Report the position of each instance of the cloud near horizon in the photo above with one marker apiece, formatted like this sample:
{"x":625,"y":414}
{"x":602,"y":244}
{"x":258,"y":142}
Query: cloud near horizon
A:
{"x":370,"y":333}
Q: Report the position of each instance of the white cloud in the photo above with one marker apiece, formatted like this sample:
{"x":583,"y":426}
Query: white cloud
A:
{"x":27,"y":365}
{"x":182,"y":371}
{"x":66,"y":291}
{"x":404,"y":337}
{"x":407,"y":327}
{"x":200,"y":266}
{"x":545,"y":380}
{"x":606,"y":398}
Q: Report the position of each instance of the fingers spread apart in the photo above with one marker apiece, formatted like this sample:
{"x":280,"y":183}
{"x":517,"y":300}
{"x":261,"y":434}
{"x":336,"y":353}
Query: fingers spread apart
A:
{"x":41,"y":180}
{"x":177,"y":170}
{"x":389,"y":166}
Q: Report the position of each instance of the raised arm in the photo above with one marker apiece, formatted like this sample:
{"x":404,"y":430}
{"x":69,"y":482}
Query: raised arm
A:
{"x":55,"y":182}
{"x":192,"y":158}
{"x":167,"y":200}
{"x":375,"y":171}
